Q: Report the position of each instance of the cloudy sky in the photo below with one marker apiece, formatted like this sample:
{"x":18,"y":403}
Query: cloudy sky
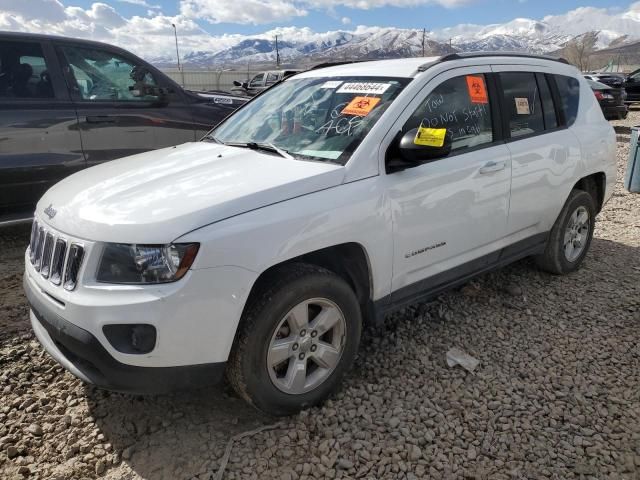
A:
{"x":144,"y":26}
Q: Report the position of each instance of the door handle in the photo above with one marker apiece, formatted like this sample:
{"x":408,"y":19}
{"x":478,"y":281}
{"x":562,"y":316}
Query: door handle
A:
{"x":101,"y":119}
{"x":490,"y":167}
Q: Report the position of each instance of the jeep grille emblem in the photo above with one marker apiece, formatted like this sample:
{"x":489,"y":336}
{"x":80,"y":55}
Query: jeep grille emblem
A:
{"x":50,"y":211}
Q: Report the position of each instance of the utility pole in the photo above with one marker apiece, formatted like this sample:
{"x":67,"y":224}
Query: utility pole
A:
{"x":424,"y":31}
{"x":450,"y":43}
{"x":277,"y":54}
{"x":175,"y":33}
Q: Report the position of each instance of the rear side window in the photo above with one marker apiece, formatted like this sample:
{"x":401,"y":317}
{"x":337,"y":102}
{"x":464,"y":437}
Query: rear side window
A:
{"x":461,"y":106}
{"x":23,"y":71}
{"x":522,"y":105}
{"x":569,"y":91}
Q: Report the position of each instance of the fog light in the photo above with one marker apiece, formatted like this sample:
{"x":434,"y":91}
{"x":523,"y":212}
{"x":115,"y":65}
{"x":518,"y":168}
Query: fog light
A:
{"x":136,"y":338}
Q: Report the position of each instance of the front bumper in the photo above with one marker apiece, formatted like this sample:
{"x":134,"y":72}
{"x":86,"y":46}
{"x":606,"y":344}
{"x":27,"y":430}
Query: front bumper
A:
{"x":83,"y":355}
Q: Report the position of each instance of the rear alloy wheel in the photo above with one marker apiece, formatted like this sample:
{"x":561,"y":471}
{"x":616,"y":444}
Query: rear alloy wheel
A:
{"x":576,"y":234}
{"x":298,"y":336}
{"x":570,"y":236}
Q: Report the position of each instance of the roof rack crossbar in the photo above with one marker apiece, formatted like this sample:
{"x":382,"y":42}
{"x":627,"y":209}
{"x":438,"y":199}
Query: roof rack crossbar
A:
{"x":459,"y":56}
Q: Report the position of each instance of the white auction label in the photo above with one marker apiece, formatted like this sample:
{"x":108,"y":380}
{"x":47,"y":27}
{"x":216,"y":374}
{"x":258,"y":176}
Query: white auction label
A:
{"x":364,"y":87}
{"x":522,"y":106}
{"x":331,"y":84}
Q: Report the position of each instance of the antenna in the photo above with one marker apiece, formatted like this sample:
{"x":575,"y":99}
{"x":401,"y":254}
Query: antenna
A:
{"x":277,"y":53}
{"x":424,"y":31}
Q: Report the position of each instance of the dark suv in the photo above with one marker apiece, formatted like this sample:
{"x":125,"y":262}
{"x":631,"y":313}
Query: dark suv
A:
{"x":68,"y":104}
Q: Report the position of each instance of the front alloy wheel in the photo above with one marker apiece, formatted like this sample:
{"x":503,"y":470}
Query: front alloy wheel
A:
{"x":297,"y":338}
{"x":306,"y":346}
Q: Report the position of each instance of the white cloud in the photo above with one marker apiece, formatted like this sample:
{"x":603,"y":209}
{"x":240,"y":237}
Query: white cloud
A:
{"x":241,"y":11}
{"x":142,"y":3}
{"x":345,"y":20}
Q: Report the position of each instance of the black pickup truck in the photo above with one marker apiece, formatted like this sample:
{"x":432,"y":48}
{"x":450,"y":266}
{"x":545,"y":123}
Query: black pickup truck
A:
{"x":68,"y":104}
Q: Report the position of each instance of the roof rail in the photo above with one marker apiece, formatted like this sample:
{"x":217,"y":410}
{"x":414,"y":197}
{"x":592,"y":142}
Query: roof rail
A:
{"x":461,"y":55}
{"x":335,"y":64}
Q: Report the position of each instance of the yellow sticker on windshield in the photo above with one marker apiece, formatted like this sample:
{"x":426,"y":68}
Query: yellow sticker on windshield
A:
{"x":430,"y":137}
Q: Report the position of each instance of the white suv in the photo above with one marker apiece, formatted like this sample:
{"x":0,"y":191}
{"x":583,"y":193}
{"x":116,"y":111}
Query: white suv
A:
{"x":331,"y":199}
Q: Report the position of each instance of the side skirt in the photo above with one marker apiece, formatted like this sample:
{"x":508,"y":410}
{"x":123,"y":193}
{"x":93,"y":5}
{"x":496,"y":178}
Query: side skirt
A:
{"x":430,"y":287}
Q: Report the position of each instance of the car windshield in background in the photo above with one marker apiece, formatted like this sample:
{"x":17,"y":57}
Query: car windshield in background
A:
{"x":312,"y":118}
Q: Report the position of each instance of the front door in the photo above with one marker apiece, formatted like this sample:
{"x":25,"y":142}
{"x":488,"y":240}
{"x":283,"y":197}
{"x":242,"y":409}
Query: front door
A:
{"x":116,"y":117}
{"x":449,"y":214}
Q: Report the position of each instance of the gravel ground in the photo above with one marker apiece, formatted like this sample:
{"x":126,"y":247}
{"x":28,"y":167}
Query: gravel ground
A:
{"x":556,"y":395}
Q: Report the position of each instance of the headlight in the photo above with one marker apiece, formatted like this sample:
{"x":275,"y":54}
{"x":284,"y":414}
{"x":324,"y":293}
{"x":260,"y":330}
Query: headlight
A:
{"x":133,"y":263}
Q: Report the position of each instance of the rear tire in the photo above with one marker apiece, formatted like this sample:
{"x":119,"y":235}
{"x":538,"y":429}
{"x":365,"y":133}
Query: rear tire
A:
{"x":298,"y":336}
{"x":570,"y":236}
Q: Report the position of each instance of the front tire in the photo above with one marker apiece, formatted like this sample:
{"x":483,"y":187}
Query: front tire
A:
{"x":571,"y":235}
{"x":298,"y":336}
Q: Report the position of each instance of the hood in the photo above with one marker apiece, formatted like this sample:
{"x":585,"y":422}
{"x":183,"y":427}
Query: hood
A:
{"x":157,"y":196}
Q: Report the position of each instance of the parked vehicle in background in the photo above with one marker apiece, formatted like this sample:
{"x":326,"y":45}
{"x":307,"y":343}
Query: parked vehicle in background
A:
{"x":332,"y":199}
{"x":261,"y":81}
{"x":613,"y":79}
{"x":68,"y":104}
{"x":611,"y":100}
{"x":632,"y":86}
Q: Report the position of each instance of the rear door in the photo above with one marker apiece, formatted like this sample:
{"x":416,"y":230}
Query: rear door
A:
{"x":544,"y":152}
{"x":39,"y":138}
{"x":116,"y":117}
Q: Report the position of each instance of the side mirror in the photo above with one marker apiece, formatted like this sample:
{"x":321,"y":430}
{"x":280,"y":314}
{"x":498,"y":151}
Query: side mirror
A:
{"x":237,"y":83}
{"x":424,"y":144}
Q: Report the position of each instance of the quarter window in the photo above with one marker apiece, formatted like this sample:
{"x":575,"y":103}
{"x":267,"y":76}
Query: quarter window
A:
{"x":569,"y":91}
{"x":461,"y":106}
{"x":271,"y":78}
{"x":105,"y":76}
{"x":23,"y":71}
{"x":522,"y":105}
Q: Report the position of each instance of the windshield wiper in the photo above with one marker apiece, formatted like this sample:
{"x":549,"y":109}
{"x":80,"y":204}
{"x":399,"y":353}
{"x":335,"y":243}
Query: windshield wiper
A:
{"x":265,"y":147}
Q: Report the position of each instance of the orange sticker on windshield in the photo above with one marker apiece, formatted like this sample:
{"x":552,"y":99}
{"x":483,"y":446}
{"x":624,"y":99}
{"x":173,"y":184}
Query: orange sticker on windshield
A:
{"x":477,"y":89}
{"x":360,"y":106}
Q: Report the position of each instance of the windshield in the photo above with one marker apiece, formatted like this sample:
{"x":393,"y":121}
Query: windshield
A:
{"x":320,"y":118}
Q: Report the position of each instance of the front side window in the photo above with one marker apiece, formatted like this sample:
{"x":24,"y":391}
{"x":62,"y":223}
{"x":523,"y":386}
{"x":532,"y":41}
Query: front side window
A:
{"x":321,"y":118}
{"x":461,"y":106}
{"x":569,"y":91}
{"x":105,"y":76}
{"x":257,"y":80}
{"x":271,"y":78}
{"x":522,"y":103}
{"x":23,"y":71}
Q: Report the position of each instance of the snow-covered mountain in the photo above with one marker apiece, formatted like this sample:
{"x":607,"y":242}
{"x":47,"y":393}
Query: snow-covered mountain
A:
{"x":303,"y":47}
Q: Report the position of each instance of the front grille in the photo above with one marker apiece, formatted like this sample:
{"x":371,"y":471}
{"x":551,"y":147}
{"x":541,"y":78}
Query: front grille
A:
{"x":55,"y":257}
{"x":47,"y":251}
{"x":57,"y":262}
{"x":74,"y":260}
